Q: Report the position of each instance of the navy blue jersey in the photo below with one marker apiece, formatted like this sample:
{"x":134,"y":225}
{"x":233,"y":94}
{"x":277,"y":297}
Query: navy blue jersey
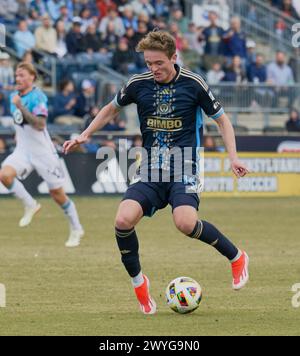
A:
{"x":170,"y":114}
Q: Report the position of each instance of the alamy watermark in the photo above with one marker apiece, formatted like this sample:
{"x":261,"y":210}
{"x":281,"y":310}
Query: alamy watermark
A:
{"x":2,"y":296}
{"x":296,"y":296}
{"x":158,"y":164}
{"x":296,"y":36}
{"x":2,"y":35}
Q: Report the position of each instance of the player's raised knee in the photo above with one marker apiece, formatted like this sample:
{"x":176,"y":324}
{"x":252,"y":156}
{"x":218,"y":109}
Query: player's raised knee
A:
{"x":6,"y":178}
{"x":186,"y":226}
{"x":122,"y":222}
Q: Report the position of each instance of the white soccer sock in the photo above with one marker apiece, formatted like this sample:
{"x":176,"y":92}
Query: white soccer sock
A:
{"x":21,"y":193}
{"x":71,"y":212}
{"x":138,"y":280}
{"x":239,"y":254}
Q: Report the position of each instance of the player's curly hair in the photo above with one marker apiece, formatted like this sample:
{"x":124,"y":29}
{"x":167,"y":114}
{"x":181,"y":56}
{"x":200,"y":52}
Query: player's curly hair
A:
{"x":158,"y":41}
{"x":29,"y":68}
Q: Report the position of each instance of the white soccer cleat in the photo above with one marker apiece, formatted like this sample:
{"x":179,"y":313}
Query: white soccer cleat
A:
{"x":74,"y":238}
{"x":29,"y":213}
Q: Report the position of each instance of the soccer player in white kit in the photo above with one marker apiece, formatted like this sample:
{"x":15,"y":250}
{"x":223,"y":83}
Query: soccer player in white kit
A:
{"x":35,"y":150}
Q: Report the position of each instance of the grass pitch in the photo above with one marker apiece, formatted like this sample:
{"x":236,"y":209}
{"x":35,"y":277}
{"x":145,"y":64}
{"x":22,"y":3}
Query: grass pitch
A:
{"x":52,"y":290}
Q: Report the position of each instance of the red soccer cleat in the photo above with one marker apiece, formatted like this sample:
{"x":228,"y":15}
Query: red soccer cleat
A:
{"x":147,"y":304}
{"x":240,"y":272}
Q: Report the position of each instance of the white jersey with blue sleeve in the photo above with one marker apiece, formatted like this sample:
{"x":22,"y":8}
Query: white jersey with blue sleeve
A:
{"x":28,"y":138}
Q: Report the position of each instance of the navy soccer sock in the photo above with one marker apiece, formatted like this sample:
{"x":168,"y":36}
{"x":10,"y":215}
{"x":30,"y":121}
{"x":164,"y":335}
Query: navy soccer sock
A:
{"x":129,"y":247}
{"x":206,"y":232}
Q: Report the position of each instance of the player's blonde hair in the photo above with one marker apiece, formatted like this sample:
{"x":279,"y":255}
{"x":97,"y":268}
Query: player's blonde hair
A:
{"x":29,"y":68}
{"x":158,"y":41}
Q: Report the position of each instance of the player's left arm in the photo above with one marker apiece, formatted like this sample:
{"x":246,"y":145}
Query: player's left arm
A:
{"x":214,"y":110}
{"x":227,"y":132}
{"x":36,"y":121}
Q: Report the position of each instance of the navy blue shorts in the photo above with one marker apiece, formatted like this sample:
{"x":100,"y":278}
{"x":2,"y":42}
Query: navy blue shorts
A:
{"x":155,"y":196}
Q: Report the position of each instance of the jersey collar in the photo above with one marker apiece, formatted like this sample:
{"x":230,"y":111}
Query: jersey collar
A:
{"x":178,"y":71}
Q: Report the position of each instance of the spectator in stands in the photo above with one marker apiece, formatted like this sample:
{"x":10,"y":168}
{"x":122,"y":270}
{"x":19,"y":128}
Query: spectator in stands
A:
{"x":86,"y":101}
{"x":86,"y":19}
{"x":141,"y":32}
{"x":293,"y":124}
{"x":91,"y":146}
{"x":104,"y":6}
{"x":144,"y":17}
{"x":139,"y":57}
{"x":61,"y":45}
{"x":65,"y":16}
{"x":91,"y":5}
{"x":33,"y":20}
{"x":140,"y":6}
{"x":281,"y":28}
{"x":130,"y":36}
{"x":160,"y":23}
{"x":257,"y":72}
{"x":161,"y":8}
{"x":4,"y":105}
{"x":115,"y":125}
{"x":38,"y":6}
{"x":251,"y":52}
{"x":281,"y":75}
{"x":92,"y":41}
{"x":22,"y":9}
{"x":64,"y":105}
{"x":193,"y":35}
{"x":123,"y":60}
{"x":296,"y":4}
{"x":213,"y":38}
{"x":23,"y":39}
{"x":235,"y":41}
{"x":216,"y":74}
{"x":288,"y":9}
{"x":6,"y":72}
{"x":109,"y":39}
{"x":112,"y":18}
{"x":237,"y":94}
{"x":178,"y":17}
{"x":235,"y":73}
{"x":252,"y":14}
{"x":189,"y":58}
{"x":46,"y":36}
{"x":74,"y":38}
{"x":128,"y":18}
{"x":175,"y":32}
{"x":53,"y":7}
{"x":2,"y":146}
{"x":8,"y":10}
{"x":209,"y":144}
{"x":28,"y":57}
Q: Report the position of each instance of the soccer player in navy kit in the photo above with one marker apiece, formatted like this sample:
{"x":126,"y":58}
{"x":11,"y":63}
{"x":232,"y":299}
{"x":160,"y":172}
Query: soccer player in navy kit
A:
{"x":169,"y":102}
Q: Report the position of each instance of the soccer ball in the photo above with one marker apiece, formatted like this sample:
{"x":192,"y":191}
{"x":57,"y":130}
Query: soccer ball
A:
{"x":183,"y":295}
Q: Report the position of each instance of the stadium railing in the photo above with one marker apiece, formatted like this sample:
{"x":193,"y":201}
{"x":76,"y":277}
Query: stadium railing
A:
{"x":264,"y":101}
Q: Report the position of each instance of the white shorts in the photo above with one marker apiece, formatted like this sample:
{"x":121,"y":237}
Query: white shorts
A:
{"x":48,"y":166}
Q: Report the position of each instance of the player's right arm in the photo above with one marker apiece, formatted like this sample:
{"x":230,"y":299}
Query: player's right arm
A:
{"x":124,"y":97}
{"x":104,"y":116}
